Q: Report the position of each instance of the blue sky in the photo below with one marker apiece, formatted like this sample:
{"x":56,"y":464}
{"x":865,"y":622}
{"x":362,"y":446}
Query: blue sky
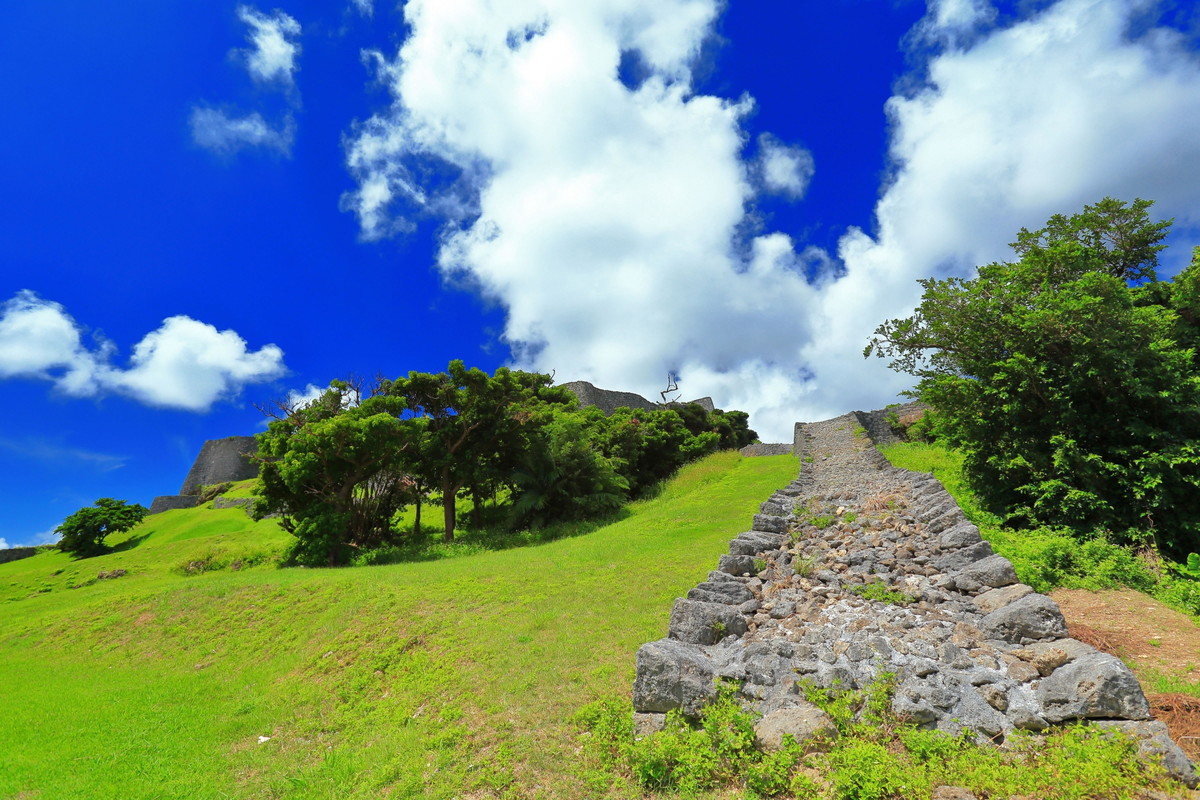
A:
{"x":213,"y":204}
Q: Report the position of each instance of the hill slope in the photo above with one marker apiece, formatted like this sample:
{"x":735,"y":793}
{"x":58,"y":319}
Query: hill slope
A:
{"x":437,"y":679}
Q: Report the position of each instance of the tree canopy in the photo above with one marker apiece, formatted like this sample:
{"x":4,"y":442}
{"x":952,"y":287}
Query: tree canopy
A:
{"x":338,"y":469}
{"x":1069,"y":377}
{"x":83,"y":533}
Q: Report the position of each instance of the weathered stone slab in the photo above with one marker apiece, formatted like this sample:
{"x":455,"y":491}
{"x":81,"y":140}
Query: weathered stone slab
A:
{"x":672,"y":675}
{"x":998,"y":598}
{"x":737,"y":565}
{"x":960,"y":558}
{"x":698,"y":622}
{"x":1093,"y":686}
{"x":1032,"y":618}
{"x":993,"y":572}
{"x":1155,"y":743}
{"x":728,"y":592}
{"x":808,"y":725}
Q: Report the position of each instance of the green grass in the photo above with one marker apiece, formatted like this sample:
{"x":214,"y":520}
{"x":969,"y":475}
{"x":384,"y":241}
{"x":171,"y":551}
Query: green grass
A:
{"x":437,"y":679}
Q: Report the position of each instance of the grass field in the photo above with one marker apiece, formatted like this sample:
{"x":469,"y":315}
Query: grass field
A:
{"x":186,"y":677}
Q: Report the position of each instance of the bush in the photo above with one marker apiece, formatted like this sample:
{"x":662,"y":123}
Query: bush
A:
{"x":83,"y":533}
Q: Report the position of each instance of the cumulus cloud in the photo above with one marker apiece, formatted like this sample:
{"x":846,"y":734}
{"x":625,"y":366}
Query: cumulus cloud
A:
{"x":364,"y":7}
{"x":298,"y":398}
{"x":274,"y":52}
{"x":184,"y":364}
{"x":215,"y":130}
{"x":606,"y":218}
{"x":784,"y":169}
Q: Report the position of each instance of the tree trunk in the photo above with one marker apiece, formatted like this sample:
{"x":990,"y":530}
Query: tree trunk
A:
{"x":448,"y":496}
{"x":417,"y":522}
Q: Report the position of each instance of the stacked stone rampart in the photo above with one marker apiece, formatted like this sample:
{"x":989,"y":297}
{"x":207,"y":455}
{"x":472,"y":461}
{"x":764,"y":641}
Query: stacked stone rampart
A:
{"x":609,"y":401}
{"x":219,"y":461}
{"x":857,"y":569}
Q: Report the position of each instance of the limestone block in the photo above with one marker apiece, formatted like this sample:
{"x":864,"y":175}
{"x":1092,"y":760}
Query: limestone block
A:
{"x":998,"y":598}
{"x":737,"y":565}
{"x":670,"y":675}
{"x":1155,"y":743}
{"x":807,"y":724}
{"x":1029,"y":619}
{"x":769,"y":523}
{"x":697,"y":622}
{"x":729,"y":592}
{"x":962,"y":535}
{"x":994,"y":571}
{"x":1093,"y":686}
{"x":958,"y":559}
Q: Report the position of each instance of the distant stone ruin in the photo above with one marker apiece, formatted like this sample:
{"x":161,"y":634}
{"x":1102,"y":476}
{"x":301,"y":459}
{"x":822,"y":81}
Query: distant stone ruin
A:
{"x":609,"y":401}
{"x":220,"y":461}
{"x":859,"y":568}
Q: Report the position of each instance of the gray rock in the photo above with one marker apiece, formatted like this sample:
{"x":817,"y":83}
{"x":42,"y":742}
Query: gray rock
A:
{"x":1031,"y":618}
{"x":737,"y":565}
{"x":1093,"y":686}
{"x":672,"y":675}
{"x":948,"y":519}
{"x":647,"y":723}
{"x":994,"y":571}
{"x":1154,"y":743}
{"x":697,"y":622}
{"x":753,"y":543}
{"x":769,"y":523}
{"x":998,"y":598}
{"x":808,"y":725}
{"x":728,"y":592}
{"x":963,"y":534}
{"x":958,"y":559}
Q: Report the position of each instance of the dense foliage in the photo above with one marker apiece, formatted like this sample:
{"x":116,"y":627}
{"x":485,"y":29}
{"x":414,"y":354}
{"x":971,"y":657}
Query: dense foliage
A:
{"x":1069,"y":377}
{"x":340,"y":469}
{"x":83,"y":533}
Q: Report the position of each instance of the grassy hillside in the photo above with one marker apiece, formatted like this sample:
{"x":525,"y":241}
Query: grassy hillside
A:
{"x":186,"y":677}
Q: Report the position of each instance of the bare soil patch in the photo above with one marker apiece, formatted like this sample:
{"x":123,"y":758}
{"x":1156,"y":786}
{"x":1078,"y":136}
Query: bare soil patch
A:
{"x":1152,"y":639}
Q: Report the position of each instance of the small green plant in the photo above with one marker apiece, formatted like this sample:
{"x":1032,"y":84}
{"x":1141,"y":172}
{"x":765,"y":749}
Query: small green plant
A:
{"x":760,"y":564}
{"x":881,"y":593}
{"x":804,"y":565}
{"x":849,"y":517}
{"x":718,"y":627}
{"x":859,"y":432}
{"x":1189,"y":570}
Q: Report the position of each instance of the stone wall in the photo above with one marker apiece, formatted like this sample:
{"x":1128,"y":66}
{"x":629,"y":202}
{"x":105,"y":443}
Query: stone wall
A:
{"x":170,"y":502}
{"x":609,"y":401}
{"x":858,"y":568}
{"x":16,"y":553}
{"x":877,"y":425}
{"x":221,"y":460}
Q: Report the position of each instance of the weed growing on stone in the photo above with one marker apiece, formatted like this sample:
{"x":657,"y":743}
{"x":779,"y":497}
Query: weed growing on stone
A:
{"x":881,"y":593}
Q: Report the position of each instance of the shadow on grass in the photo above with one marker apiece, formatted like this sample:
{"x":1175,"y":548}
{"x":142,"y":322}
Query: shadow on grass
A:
{"x":469,"y":542}
{"x":130,"y":543}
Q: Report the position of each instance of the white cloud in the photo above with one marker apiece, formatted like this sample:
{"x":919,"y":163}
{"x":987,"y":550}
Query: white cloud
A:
{"x":273,"y":57}
{"x":45,"y":537}
{"x":4,"y":545}
{"x":184,"y":364}
{"x":605,"y":218}
{"x":364,"y":7}
{"x":213,"y":129}
{"x":298,"y":398}
{"x":783,"y":169}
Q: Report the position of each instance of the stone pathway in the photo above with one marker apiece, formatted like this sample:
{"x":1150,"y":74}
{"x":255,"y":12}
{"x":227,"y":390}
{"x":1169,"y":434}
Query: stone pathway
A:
{"x":857,"y":569}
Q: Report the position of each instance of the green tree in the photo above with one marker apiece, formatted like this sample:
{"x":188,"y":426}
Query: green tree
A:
{"x":474,"y":426}
{"x":1070,"y":391}
{"x":83,"y":533}
{"x":335,"y":471}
